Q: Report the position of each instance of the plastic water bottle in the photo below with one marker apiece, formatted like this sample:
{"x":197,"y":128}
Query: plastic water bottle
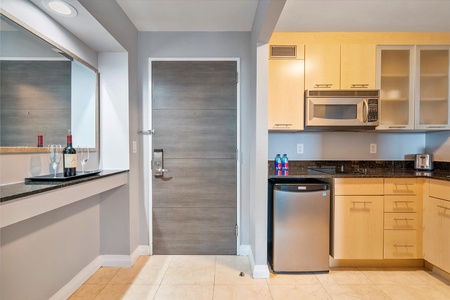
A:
{"x":278,"y":165}
{"x":284,"y":165}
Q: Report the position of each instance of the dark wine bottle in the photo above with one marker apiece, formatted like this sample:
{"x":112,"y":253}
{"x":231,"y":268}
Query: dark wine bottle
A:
{"x":70,"y":158}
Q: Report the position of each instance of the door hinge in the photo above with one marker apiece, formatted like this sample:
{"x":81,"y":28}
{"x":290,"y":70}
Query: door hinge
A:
{"x":237,"y":154}
{"x":237,"y":230}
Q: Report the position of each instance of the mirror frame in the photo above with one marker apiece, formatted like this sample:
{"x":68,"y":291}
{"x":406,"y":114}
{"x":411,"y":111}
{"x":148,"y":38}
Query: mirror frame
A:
{"x":71,"y":55}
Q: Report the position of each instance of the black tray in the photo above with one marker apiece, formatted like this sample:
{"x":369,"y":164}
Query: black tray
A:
{"x":60,"y":176}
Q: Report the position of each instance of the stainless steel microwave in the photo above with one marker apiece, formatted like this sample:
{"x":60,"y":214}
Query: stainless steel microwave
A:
{"x":342,"y":109}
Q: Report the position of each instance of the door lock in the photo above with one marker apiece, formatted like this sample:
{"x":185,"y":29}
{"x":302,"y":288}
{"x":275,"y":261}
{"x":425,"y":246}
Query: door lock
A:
{"x":158,"y":163}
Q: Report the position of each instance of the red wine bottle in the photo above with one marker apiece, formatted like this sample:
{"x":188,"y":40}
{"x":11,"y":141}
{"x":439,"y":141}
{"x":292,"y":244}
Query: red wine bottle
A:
{"x":70,"y":158}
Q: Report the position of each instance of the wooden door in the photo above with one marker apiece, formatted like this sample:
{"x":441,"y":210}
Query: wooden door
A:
{"x":194,"y":110}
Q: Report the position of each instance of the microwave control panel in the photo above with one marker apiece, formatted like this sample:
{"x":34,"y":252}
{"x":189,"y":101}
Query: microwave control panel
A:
{"x":373,"y":110}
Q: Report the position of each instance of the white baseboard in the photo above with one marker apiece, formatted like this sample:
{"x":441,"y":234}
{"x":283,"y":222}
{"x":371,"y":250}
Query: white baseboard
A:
{"x":244,"y":250}
{"x":100,"y":261}
{"x":66,"y":291}
{"x":258,"y":271}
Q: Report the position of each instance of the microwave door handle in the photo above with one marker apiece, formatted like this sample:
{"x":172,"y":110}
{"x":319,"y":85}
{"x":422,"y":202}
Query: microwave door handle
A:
{"x":365,"y":110}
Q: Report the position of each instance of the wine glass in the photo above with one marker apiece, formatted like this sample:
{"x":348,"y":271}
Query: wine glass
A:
{"x":83,"y":155}
{"x":55,"y":156}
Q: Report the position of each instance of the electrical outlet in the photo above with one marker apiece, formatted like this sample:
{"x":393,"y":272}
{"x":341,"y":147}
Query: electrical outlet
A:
{"x":299,"y":148}
{"x":373,"y":148}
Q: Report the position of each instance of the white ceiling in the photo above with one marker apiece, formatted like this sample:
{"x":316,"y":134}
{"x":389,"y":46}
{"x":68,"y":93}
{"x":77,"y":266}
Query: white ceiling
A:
{"x":297,"y":15}
{"x":190,"y":15}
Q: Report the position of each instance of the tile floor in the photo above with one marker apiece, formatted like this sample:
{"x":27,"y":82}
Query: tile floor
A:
{"x":217,"y":277}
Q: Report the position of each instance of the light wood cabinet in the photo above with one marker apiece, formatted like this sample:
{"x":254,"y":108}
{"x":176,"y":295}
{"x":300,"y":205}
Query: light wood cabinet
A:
{"x":358,"y":66}
{"x":286,"y":94}
{"x":340,"y":66}
{"x":402,"y":220}
{"x":414,"y":87}
{"x":322,"y":66}
{"x":437,"y":224}
{"x":357,"y":219}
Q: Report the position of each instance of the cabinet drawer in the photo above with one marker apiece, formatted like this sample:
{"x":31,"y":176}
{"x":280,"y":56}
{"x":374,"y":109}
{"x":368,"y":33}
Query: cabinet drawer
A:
{"x":400,"y":186}
{"x":358,"y":186}
{"x":400,"y":204}
{"x":440,"y":189}
{"x":400,"y":244}
{"x":400,"y":221}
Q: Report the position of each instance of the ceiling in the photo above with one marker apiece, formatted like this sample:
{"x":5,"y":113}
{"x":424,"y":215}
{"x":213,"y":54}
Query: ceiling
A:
{"x":297,"y":15}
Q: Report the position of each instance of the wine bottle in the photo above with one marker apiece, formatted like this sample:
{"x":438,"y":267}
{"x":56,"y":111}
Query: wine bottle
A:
{"x":70,"y":158}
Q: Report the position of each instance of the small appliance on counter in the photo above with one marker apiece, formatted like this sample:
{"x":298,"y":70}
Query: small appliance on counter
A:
{"x":424,"y":162}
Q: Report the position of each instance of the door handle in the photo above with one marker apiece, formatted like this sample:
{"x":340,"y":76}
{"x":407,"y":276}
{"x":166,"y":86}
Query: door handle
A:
{"x":158,"y":163}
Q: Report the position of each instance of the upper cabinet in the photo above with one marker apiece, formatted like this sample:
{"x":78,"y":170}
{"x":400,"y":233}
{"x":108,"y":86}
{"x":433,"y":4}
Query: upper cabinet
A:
{"x":432,"y":91}
{"x":340,"y":66}
{"x":414,"y":87}
{"x":286,"y":88}
{"x":396,"y":84}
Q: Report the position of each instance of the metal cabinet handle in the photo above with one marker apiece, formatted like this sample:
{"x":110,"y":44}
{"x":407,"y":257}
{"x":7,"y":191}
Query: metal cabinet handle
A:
{"x":435,"y":127}
{"x":444,"y":207}
{"x":359,"y":85}
{"x":403,"y":219}
{"x":361,"y":202}
{"x":403,"y":245}
{"x":282,"y":125}
{"x":397,"y":127}
{"x":323,"y":85}
{"x":403,"y":201}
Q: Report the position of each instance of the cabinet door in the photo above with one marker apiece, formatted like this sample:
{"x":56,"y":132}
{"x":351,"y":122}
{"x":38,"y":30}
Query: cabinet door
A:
{"x":432,"y":88}
{"x":358,"y":227}
{"x":358,"y":66}
{"x":286,"y":94}
{"x":395,"y":70}
{"x":322,"y":66}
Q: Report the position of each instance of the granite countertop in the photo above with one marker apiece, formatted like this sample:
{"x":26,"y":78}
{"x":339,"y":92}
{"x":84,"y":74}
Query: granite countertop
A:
{"x":360,"y":169}
{"x":27,"y":188}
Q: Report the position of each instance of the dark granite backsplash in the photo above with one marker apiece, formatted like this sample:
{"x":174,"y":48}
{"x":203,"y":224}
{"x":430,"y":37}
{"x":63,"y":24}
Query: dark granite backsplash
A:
{"x":357,"y":164}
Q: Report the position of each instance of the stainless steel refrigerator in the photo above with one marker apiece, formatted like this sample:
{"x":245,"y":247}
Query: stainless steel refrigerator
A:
{"x":300,"y":233}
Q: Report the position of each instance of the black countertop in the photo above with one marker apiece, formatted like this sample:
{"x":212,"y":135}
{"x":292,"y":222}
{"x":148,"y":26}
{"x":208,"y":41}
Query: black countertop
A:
{"x":27,"y":188}
{"x":360,"y":169}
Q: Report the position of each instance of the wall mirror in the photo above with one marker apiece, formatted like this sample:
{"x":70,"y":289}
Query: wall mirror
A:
{"x":43,"y":90}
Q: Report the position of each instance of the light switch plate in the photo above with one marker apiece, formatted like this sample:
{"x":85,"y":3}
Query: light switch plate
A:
{"x":134,"y":147}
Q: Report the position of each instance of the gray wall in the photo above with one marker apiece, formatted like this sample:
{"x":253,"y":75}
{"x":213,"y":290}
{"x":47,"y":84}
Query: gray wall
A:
{"x":204,"y":45}
{"x":346,"y":145}
{"x":438,"y":143}
{"x":40,"y":255}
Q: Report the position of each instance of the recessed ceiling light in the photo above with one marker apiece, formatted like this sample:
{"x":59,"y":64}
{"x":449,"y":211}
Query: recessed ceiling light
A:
{"x":60,"y":8}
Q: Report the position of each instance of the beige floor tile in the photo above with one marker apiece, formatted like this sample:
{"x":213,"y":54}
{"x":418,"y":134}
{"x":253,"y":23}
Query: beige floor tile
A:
{"x":141,"y":292}
{"x":244,"y":292}
{"x":102,"y":276}
{"x":414,"y":292}
{"x":343,"y":276}
{"x":355,"y":291}
{"x":399,"y":276}
{"x":185,"y":292}
{"x":299,"y":292}
{"x":126,"y":276}
{"x":292,"y":279}
{"x":87,"y":292}
{"x":228,"y":269}
{"x":153,"y":270}
{"x":113,"y":292}
{"x":185,"y":269}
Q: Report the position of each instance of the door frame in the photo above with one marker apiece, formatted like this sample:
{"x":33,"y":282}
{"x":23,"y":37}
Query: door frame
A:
{"x":147,"y":145}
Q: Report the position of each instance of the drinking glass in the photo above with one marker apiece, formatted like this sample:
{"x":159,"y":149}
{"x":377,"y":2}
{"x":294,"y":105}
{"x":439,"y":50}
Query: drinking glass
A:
{"x":55,"y":157}
{"x":83,"y":154}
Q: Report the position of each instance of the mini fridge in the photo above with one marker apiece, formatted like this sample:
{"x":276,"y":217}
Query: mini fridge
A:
{"x":299,"y":226}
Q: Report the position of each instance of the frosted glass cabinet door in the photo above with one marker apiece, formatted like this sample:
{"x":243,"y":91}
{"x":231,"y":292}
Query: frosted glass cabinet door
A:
{"x":432,"y":87}
{"x":395,"y":79}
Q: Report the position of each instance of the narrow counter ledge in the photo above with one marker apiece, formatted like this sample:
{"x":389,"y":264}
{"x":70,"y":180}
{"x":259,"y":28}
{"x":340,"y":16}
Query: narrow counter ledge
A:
{"x":21,"y":201}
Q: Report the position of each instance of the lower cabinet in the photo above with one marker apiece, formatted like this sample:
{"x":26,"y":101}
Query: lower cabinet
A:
{"x":357,"y":218}
{"x":437,"y":224}
{"x":358,"y":227}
